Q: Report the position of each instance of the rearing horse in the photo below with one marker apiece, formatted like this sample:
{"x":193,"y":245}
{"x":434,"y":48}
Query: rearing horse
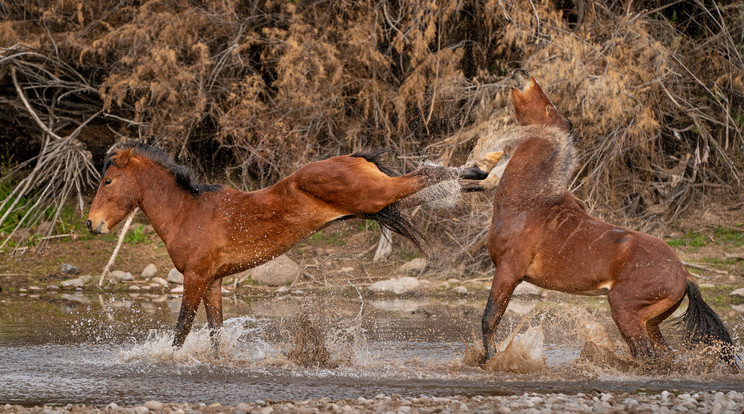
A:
{"x":211,"y":231}
{"x":541,"y":234}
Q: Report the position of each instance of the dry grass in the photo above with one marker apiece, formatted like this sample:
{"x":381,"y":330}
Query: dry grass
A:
{"x":255,"y":89}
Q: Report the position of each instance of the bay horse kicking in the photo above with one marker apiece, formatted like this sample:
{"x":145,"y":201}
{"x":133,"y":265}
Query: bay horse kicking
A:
{"x":211,"y":231}
{"x":540,"y":233}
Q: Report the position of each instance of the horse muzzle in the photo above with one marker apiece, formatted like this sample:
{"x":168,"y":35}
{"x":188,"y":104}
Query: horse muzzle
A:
{"x":520,"y":79}
{"x":100,"y":228}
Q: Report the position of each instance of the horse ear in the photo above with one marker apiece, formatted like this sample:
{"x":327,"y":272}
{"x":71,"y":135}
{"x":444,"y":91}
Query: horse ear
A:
{"x":123,"y":158}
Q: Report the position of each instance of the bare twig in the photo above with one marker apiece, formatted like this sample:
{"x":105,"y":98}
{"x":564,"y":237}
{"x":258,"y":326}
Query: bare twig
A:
{"x":112,"y":259}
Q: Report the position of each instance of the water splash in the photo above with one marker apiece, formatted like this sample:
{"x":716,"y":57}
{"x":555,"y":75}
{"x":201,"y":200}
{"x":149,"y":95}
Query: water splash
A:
{"x":240,"y":341}
{"x":521,"y":353}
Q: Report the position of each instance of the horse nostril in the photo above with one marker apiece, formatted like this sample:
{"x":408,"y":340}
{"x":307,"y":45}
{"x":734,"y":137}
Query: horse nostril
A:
{"x":89,"y":224}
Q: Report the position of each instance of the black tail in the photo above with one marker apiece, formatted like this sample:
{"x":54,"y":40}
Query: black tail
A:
{"x":390,"y":217}
{"x":702,"y":325}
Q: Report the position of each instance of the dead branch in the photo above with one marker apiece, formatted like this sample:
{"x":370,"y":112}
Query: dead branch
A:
{"x":112,"y":259}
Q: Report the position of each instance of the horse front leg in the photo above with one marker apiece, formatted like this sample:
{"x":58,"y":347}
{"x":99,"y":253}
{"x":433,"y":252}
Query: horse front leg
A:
{"x":502,"y":288}
{"x":193,"y":289}
{"x":213,"y":307}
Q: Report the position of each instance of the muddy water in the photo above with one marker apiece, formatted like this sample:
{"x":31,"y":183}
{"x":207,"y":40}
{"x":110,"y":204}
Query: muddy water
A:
{"x":59,"y":349}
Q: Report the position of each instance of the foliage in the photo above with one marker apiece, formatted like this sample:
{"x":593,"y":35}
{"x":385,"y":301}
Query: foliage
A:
{"x":137,"y":235}
{"x":255,"y":89}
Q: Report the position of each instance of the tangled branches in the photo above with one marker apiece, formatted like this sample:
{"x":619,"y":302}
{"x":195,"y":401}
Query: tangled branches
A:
{"x":255,"y":89}
{"x":63,"y":167}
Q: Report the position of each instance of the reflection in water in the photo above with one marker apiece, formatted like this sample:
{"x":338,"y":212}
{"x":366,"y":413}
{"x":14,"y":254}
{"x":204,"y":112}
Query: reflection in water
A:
{"x":99,"y":349}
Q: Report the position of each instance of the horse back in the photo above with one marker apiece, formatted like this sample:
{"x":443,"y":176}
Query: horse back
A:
{"x":352,"y":185}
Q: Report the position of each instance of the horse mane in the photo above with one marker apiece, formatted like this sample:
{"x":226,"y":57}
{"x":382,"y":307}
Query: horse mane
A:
{"x":541,"y":166}
{"x":183,"y":175}
{"x":565,"y":155}
{"x":377,"y":157}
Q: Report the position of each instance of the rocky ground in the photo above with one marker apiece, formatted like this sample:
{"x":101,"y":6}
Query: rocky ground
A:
{"x":664,"y":402}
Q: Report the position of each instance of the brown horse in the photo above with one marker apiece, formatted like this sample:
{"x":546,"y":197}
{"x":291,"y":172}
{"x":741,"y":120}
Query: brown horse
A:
{"x":541,"y":234}
{"x":212,"y":231}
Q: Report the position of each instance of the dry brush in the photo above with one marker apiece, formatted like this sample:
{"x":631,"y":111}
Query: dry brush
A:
{"x":251,"y":90}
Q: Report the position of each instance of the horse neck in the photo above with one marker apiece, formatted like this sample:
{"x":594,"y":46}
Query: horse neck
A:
{"x":534,"y":175}
{"x":160,"y":197}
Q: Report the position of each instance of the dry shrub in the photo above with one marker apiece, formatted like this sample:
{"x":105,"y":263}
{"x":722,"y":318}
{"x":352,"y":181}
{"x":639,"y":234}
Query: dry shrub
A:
{"x":256,"y":89}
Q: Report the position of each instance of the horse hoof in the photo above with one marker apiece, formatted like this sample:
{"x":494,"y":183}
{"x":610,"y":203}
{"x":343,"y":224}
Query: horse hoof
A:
{"x":473,"y":173}
{"x":519,"y":79}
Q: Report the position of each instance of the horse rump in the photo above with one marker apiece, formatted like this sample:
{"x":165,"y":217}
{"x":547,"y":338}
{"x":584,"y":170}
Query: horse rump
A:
{"x":703,"y":326}
{"x":391,"y":216}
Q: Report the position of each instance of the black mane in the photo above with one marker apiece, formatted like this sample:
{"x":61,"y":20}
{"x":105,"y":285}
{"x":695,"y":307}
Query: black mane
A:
{"x":183,"y":175}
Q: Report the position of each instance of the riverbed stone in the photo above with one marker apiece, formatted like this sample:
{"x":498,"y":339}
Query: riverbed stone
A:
{"x":415,"y":266}
{"x":244,"y":407}
{"x":398,"y":286}
{"x":71,"y":284}
{"x":121,"y":276}
{"x":160,"y":282}
{"x":525,"y":403}
{"x":280,"y":271}
{"x":461,"y":290}
{"x":68,"y":269}
{"x":527,"y":289}
{"x":154,"y":405}
{"x":177,"y":290}
{"x":174,"y":276}
{"x":739,"y":293}
{"x":149,"y":271}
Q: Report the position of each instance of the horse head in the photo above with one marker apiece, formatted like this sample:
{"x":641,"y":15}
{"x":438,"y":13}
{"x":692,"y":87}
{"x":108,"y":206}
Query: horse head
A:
{"x":117,"y":193}
{"x":532,"y":106}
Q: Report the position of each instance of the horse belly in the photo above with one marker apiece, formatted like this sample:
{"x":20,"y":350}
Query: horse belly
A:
{"x":569,"y":280}
{"x":581,"y":264}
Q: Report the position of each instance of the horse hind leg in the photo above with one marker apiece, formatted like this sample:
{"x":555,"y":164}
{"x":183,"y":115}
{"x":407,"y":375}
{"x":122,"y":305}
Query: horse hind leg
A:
{"x":631,"y":318}
{"x":652,"y":326}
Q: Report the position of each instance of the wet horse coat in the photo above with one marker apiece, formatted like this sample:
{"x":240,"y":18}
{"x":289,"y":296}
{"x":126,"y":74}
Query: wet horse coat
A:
{"x":213,"y":231}
{"x":542,"y":235}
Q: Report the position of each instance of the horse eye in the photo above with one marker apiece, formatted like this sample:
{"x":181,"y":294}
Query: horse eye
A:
{"x":107,"y":182}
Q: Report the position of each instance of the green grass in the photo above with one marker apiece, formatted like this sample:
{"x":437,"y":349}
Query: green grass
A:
{"x":690,"y":239}
{"x":721,"y":236}
{"x":729,"y":236}
{"x":137,"y":236}
{"x":331,"y":238}
{"x":718,"y":262}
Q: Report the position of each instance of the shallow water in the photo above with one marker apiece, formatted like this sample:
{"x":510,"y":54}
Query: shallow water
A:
{"x":59,"y":349}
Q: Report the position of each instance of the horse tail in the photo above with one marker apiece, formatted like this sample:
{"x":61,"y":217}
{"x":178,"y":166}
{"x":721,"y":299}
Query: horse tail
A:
{"x":703,"y":325}
{"x":390,"y":217}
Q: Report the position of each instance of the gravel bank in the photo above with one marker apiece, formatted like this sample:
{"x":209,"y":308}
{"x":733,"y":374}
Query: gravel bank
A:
{"x":664,"y":402}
